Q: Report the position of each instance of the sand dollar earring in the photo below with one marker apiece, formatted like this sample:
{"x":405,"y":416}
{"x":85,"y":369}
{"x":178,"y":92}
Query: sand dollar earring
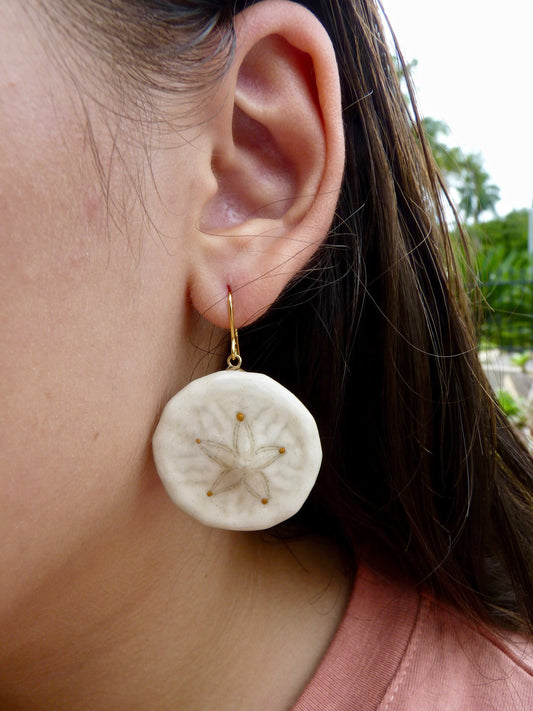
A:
{"x":237,"y":450}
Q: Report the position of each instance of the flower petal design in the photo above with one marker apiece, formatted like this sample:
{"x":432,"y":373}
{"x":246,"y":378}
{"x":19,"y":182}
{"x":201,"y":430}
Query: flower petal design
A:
{"x":257,"y":484}
{"x":243,"y":437}
{"x":265,"y":456}
{"x":227,"y":479}
{"x":242,"y":464}
{"x":219,"y":453}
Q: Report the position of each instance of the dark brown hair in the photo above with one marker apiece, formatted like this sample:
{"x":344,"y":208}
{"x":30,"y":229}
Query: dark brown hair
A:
{"x":376,"y":335}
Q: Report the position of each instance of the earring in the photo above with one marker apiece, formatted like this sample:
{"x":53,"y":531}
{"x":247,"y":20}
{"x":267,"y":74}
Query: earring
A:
{"x":237,"y":450}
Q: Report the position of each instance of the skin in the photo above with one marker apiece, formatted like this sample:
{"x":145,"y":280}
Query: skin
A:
{"x":108,"y":306}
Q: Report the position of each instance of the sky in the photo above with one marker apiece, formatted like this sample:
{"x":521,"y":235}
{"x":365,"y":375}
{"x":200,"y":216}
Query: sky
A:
{"x":475,"y":61}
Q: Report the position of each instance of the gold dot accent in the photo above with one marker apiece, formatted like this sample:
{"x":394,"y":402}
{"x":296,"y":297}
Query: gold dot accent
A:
{"x":198,"y":441}
{"x":210,"y":493}
{"x":264,"y":501}
{"x":282,"y":450}
{"x":240,"y":416}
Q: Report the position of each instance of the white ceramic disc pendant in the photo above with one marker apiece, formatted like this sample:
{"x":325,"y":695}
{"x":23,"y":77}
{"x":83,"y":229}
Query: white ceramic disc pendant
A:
{"x":237,"y":450}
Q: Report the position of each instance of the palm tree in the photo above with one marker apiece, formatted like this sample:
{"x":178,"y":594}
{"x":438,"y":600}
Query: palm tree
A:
{"x":476,"y":193}
{"x":465,"y":174}
{"x":449,"y":160}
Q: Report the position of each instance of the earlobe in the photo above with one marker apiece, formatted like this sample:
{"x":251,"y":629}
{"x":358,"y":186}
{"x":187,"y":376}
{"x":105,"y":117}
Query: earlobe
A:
{"x":278,"y":162}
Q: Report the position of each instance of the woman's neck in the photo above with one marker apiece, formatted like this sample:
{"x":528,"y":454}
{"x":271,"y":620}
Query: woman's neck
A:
{"x":158,"y":613}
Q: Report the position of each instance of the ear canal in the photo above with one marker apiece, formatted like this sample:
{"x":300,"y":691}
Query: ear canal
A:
{"x":259,"y":182}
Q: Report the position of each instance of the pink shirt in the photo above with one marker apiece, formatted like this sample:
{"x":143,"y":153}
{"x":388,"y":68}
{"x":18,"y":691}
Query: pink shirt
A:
{"x":398,"y":649}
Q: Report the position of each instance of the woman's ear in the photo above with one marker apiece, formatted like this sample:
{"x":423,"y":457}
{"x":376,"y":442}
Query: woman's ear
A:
{"x":277,"y":154}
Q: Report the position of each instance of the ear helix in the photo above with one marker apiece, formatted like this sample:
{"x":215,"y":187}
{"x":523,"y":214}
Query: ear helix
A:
{"x":237,"y":450}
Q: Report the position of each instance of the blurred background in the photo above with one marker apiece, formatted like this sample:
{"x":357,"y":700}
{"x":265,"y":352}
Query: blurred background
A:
{"x":471,"y":62}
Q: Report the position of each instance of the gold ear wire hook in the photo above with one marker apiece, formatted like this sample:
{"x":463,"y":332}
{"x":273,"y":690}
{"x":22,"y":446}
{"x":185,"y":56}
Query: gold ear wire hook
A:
{"x":234,"y":360}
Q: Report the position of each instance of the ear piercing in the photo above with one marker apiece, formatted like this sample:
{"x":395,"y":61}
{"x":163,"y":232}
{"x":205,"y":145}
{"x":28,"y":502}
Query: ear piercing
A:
{"x":237,"y":450}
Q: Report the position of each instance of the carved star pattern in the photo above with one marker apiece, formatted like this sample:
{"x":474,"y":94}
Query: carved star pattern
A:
{"x":242,"y":464}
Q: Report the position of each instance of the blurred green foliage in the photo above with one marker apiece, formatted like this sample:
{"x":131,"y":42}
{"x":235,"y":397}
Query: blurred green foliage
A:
{"x":505,"y":277}
{"x":504,"y":268}
{"x":511,"y":407}
{"x":522,"y":359}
